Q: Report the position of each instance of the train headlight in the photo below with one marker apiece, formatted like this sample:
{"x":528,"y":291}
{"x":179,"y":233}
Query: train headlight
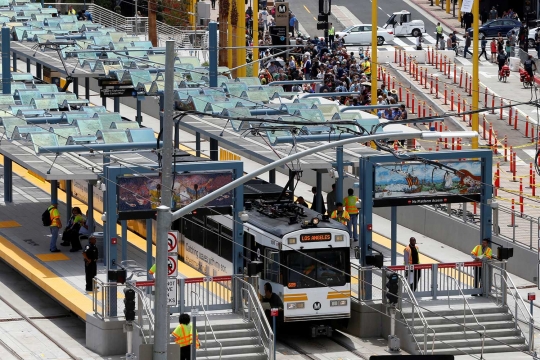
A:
{"x":315,"y":221}
{"x":339,"y":238}
{"x":338,"y":303}
{"x":291,"y":241}
{"x":295,"y":305}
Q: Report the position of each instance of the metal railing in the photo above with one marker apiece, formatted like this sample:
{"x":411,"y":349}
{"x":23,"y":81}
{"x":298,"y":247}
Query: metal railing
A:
{"x":465,"y":306}
{"x":100,"y":303}
{"x":145,"y":314}
{"x":416,"y":311}
{"x":215,"y":292}
{"x":207,"y":321}
{"x":246,"y":302}
{"x":512,"y":225}
{"x":520,"y":312}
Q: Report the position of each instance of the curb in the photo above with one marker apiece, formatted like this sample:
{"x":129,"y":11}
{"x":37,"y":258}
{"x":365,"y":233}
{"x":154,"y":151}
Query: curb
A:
{"x":439,"y":19}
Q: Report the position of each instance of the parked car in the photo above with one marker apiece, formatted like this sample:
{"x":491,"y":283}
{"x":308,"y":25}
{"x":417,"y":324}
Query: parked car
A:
{"x":361,"y":34}
{"x":492,"y":28}
{"x":530,"y":36}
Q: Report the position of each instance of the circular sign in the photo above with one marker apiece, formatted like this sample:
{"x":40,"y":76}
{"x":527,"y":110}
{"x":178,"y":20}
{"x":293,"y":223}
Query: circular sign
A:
{"x":172,"y":242}
{"x":171,"y":266}
{"x":282,"y":38}
{"x":317,"y":306}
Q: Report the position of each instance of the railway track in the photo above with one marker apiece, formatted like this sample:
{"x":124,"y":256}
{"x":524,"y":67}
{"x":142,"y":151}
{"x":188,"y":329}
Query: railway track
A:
{"x":334,"y":347}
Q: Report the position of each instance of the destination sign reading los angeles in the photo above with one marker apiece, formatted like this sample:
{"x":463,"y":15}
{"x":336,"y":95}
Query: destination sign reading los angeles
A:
{"x":315,"y":237}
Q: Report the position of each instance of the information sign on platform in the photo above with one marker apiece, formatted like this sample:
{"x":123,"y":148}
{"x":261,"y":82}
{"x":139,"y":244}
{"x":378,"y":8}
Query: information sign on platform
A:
{"x":117,"y":92}
{"x":172,"y":294}
{"x":172,"y":266}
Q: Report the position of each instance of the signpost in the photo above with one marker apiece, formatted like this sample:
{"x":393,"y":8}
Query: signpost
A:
{"x":282,"y":21}
{"x":172,"y":266}
{"x":172,"y":294}
{"x":274,"y":312}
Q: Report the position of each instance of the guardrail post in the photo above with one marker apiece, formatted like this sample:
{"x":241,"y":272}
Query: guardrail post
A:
{"x":434,"y":281}
{"x":182,"y":295}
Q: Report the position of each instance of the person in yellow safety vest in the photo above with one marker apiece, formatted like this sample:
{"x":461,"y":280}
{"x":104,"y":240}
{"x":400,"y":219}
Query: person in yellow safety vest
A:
{"x":152,"y":270}
{"x":439,"y":31}
{"x":183,"y":336}
{"x":411,"y":256}
{"x":331,"y":33}
{"x":366,"y":67}
{"x":71,"y":11}
{"x":341,"y":215}
{"x":479,"y":253}
{"x":350,"y":206}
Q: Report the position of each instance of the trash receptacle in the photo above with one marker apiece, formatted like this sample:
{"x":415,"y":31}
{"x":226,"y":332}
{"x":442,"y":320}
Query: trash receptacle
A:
{"x":99,"y":245}
{"x":514,"y":63}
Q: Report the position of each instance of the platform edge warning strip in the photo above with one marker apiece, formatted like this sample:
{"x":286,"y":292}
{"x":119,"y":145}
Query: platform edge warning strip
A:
{"x":47,"y":280}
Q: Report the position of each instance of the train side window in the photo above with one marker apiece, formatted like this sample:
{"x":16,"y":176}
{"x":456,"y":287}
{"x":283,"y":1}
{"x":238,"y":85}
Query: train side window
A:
{"x":212,"y":236}
{"x":226,"y":243}
{"x":271,"y":265}
{"x":198,"y":232}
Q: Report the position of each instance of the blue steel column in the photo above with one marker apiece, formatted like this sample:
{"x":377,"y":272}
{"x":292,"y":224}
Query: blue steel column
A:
{"x":112,"y":217}
{"x":366,"y":215}
{"x":272,"y":176}
{"x":124,"y":239}
{"x":138,"y":117}
{"x":214,"y":153}
{"x":69,"y":200}
{"x":485,"y":199}
{"x":28,"y":65}
{"x":54,"y":190}
{"x":8,"y":180}
{"x":14,"y":62}
{"x":90,"y":215}
{"x":393,"y":236}
{"x":213,"y":53}
{"x":76,"y":86}
{"x":116,"y":103}
{"x":339,"y":168}
{"x":39,"y":73}
{"x":149,"y":258}
{"x":197,"y":144}
{"x":318,"y":194}
{"x":238,"y":225}
{"x":87,"y":88}
{"x":6,"y":66}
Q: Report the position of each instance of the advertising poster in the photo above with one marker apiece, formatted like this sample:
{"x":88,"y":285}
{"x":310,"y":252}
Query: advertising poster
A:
{"x":423,"y":184}
{"x":143,"y":193}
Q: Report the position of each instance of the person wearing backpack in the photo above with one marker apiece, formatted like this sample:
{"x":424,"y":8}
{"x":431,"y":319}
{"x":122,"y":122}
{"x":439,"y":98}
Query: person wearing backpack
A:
{"x":55,"y":224}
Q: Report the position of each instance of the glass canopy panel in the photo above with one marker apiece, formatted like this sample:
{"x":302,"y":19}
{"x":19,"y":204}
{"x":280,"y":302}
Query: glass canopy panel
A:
{"x":10,"y":123}
{"x":142,"y":135}
{"x":328,"y":110}
{"x":250,"y":81}
{"x":113,"y":136}
{"x":313,"y":115}
{"x":125,"y":125}
{"x":88,"y":126}
{"x":107,"y":119}
{"x":43,"y":139}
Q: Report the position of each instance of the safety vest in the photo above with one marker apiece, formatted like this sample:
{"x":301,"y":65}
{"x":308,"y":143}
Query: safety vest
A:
{"x":350,"y":204}
{"x":478,"y":251}
{"x":344,"y":218}
{"x":152,"y":270}
{"x":55,"y":216}
{"x":183,"y":335}
{"x":408,"y":249}
{"x":367,"y":67}
{"x":331,"y":31}
{"x":438,"y":29}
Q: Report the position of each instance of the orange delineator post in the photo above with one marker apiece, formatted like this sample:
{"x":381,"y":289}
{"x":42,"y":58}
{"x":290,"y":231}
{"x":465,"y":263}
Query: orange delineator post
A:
{"x":459,"y":103}
{"x":486,"y":97}
{"x":526,"y":126}
{"x":466,"y":80}
{"x":484,"y":127}
{"x":510,"y":116}
{"x":461,"y":78}
{"x":412,"y":104}
{"x":501,"y":110}
{"x":437,"y":88}
{"x":530,"y":174}
{"x":493,"y":103}
{"x":464,"y":109}
{"x":512,"y":220}
{"x":514,"y":169}
{"x":470,"y":85}
{"x":497,"y":178}
{"x":516,"y":119}
{"x":407,"y":98}
{"x":532,"y":132}
{"x":452,"y":100}
{"x":455,"y":78}
{"x":459,"y":143}
{"x":534,"y":184}
{"x":521,"y":196}
{"x":490,"y":133}
{"x":425,"y":78}
{"x":445,"y":95}
{"x":505,"y":148}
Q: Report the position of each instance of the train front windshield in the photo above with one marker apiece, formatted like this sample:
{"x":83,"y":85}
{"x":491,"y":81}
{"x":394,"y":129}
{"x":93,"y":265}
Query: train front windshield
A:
{"x":317,"y":268}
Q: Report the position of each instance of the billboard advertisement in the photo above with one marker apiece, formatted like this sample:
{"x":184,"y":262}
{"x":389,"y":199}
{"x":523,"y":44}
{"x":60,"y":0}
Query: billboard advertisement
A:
{"x":424,"y":184}
{"x":143,"y":193}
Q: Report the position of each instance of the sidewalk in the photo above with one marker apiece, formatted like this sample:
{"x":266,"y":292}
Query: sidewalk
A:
{"x":438,"y":13}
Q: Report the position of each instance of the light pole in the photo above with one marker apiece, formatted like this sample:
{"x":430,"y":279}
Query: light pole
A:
{"x":475,"y":79}
{"x":374,"y":10}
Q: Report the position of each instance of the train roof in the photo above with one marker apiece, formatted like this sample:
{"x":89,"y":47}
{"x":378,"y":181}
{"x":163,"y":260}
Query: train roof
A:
{"x":280,"y":226}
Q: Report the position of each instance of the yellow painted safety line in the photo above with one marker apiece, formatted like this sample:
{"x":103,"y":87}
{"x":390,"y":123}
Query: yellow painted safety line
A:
{"x":47,"y":280}
{"x":305,"y":7}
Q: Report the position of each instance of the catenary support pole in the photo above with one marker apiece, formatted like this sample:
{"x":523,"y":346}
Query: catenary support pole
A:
{"x":393,"y":236}
{"x":160,"y":306}
{"x":168,"y":124}
{"x":374,"y":63}
{"x":69,"y":200}
{"x":149,"y":238}
{"x":339,"y":168}
{"x":213,"y":53}
{"x":475,"y":80}
{"x":8,"y":180}
{"x":6,"y":66}
{"x":90,"y":214}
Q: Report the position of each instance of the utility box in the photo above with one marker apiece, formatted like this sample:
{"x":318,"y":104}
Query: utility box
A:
{"x":393,"y":343}
{"x":203,"y":13}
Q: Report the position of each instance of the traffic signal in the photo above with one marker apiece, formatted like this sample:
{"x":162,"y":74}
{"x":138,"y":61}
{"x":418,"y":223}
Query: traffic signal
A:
{"x":325,"y":7}
{"x":393,"y":287}
{"x":129,"y":304}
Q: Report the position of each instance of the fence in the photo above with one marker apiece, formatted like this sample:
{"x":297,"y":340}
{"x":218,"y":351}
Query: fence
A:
{"x":100,"y":296}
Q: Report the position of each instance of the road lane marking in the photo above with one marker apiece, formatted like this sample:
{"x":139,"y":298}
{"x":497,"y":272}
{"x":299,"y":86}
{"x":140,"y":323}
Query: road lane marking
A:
{"x":305,"y":7}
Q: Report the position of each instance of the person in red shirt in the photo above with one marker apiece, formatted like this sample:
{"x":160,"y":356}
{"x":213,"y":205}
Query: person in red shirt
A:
{"x":493,"y":50}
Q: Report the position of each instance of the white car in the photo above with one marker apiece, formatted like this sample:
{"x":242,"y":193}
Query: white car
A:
{"x":402,"y":24}
{"x":361,"y":34}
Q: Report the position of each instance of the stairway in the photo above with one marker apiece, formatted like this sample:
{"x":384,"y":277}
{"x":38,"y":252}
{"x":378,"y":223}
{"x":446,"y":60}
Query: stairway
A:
{"x":238,"y":337}
{"x":450,"y":339}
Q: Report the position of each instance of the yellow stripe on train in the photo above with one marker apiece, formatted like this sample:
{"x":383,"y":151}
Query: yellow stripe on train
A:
{"x":339,"y":295}
{"x":295,"y":297}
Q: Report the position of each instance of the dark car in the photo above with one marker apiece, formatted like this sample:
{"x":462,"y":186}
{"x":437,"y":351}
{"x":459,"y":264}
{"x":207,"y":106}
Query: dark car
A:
{"x":492,"y":28}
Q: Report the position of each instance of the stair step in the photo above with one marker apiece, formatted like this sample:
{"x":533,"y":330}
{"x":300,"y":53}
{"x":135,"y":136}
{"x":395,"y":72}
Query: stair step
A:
{"x":478,"y":350}
{"x":236,"y":341}
{"x":230,"y":350}
{"x":456,"y":311}
{"x":230,"y":334}
{"x":469,"y":319}
{"x":250,"y":356}
{"x":455,"y":335}
{"x":449,"y":327}
{"x":472,"y":342}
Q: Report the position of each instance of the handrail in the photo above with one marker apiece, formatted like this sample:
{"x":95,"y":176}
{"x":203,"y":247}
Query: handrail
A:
{"x":206,"y":320}
{"x":414,"y":302}
{"x":465,"y":314}
{"x":254,"y":301}
{"x":525,"y":313}
{"x":147,"y":310}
